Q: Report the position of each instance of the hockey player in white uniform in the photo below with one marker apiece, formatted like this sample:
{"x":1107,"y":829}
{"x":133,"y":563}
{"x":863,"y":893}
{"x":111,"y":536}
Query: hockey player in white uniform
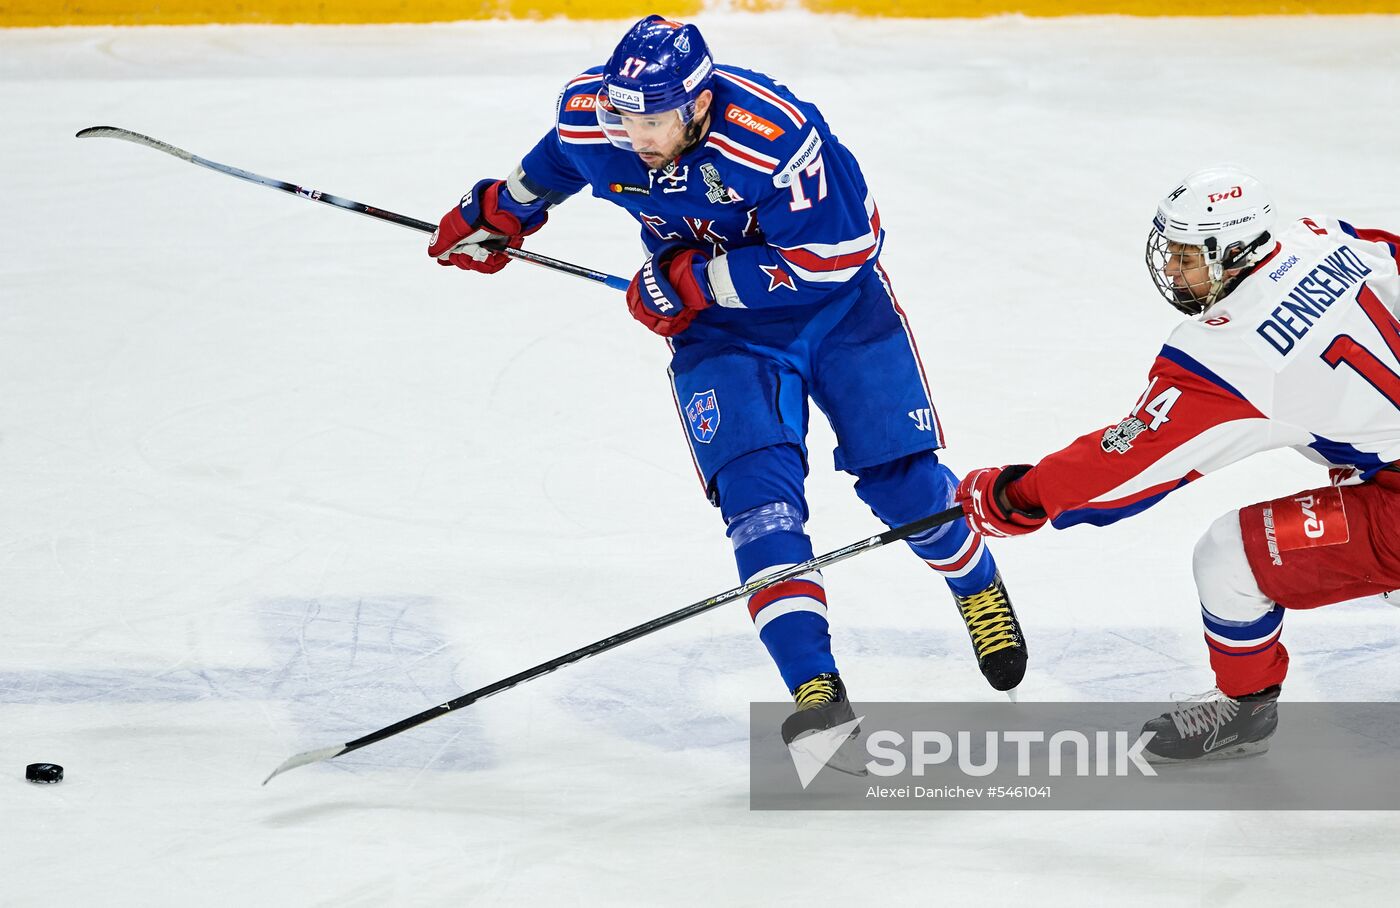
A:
{"x":1292,"y":342}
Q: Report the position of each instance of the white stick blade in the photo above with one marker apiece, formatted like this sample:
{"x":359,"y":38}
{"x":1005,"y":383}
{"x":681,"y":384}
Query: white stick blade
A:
{"x":305,"y":757}
{"x":116,"y":132}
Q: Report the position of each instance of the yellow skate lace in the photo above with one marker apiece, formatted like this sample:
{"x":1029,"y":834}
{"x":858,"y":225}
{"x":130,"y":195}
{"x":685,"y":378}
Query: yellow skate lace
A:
{"x":817,"y":692}
{"x":989,"y":619}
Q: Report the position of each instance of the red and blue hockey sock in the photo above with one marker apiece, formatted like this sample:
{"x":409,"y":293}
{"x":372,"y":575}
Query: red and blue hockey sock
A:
{"x":790,"y":616}
{"x":915,"y":487}
{"x":1247,"y":656}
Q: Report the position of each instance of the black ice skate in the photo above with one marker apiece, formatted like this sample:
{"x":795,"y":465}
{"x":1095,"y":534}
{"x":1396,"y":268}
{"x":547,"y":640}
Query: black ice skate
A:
{"x":822,"y":705}
{"x":1214,"y":727}
{"x":996,"y":634}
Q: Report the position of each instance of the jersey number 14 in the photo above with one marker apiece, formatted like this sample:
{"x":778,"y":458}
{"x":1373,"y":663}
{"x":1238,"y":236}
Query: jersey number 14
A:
{"x":1346,"y":349}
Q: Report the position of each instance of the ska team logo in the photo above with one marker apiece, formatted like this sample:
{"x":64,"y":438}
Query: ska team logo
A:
{"x":703,"y":415}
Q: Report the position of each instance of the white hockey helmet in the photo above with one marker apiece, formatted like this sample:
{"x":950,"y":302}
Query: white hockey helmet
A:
{"x":1225,"y":215}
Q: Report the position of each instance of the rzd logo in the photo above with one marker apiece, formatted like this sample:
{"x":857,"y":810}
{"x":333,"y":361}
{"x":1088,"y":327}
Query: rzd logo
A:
{"x":1312,"y":524}
{"x":1234,"y":193}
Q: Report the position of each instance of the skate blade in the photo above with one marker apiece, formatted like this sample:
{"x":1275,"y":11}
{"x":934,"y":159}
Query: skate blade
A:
{"x":1253,"y":749}
{"x":846,"y":758}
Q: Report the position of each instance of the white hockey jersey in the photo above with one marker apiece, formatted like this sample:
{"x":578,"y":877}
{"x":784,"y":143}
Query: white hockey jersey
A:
{"x":1305,"y":352}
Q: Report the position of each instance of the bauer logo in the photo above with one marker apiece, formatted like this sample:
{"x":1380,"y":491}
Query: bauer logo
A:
{"x":752,"y":122}
{"x":702,"y":413}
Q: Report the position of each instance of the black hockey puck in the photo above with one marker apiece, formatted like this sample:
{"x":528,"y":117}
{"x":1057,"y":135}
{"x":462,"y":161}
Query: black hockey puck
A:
{"x":44,"y":773}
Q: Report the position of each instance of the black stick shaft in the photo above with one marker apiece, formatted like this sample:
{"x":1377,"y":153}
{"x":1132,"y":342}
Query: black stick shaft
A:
{"x":316,"y":195}
{"x":874,"y":542}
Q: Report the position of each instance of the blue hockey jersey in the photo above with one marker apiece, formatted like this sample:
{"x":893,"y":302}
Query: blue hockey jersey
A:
{"x":769,"y":193}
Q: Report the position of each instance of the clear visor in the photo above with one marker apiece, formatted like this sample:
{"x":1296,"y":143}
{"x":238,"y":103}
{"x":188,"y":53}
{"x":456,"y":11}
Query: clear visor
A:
{"x":657,"y":133}
{"x":1182,"y":273}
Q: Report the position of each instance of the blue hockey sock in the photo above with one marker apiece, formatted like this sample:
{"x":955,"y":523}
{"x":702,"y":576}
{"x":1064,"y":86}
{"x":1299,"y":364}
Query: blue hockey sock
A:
{"x":790,"y":616}
{"x":958,"y":554}
{"x":914,"y":487}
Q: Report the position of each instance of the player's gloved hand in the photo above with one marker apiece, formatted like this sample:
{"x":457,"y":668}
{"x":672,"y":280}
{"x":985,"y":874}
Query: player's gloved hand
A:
{"x":989,"y":510}
{"x":670,"y":290}
{"x":487,"y":213}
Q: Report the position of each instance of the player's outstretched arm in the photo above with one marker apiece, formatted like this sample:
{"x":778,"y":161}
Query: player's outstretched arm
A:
{"x":1186,"y":424}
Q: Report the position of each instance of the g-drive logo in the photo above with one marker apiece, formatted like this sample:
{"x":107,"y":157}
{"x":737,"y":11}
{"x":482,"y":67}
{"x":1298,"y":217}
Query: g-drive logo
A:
{"x":891,"y":753}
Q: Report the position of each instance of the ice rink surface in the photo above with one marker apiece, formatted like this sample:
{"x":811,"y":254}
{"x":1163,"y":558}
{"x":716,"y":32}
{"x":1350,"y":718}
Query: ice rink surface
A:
{"x":270,"y":480}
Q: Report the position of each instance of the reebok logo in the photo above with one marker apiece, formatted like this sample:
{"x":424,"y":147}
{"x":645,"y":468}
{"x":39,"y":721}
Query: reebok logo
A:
{"x":1283,"y":269}
{"x":752,"y":122}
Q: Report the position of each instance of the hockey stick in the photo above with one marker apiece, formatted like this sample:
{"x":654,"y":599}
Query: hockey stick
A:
{"x":616,"y":640}
{"x":316,"y":195}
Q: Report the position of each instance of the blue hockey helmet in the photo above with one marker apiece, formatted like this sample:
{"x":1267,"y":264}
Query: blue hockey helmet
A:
{"x":658,"y":66}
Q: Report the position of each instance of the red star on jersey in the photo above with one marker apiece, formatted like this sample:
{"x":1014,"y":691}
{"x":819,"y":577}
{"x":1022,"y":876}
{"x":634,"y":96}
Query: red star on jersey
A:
{"x":777,"y":277}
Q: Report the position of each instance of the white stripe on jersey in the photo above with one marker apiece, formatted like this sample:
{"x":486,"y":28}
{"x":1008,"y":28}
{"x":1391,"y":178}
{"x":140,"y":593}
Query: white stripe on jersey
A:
{"x":824,"y":277}
{"x":845,"y":247}
{"x":742,"y":154}
{"x":579,"y":135}
{"x":753,"y":88}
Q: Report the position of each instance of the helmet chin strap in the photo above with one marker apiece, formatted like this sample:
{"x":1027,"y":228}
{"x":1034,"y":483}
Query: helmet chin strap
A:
{"x":695,"y":131}
{"x":1238,"y":258}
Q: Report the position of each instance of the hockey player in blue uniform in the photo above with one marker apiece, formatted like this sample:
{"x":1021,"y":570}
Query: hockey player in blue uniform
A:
{"x":764,"y":275}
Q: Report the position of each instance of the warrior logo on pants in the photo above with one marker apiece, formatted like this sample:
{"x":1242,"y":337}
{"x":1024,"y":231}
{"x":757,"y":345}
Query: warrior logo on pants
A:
{"x":703,"y":415}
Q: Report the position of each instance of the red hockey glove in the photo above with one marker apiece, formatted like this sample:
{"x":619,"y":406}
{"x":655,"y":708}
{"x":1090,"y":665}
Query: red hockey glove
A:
{"x":670,"y":290}
{"x":983,"y":495}
{"x":487,"y":213}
